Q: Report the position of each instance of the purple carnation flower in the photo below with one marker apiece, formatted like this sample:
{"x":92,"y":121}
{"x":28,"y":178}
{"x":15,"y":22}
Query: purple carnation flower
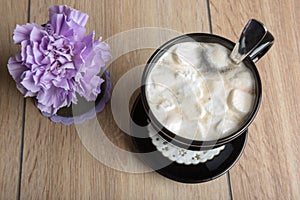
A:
{"x":58,"y":61}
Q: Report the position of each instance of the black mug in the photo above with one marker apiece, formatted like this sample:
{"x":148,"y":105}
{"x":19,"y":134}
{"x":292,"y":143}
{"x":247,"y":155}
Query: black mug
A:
{"x":249,"y":61}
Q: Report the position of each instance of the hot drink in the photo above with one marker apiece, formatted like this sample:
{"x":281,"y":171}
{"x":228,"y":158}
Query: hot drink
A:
{"x":197,"y":92}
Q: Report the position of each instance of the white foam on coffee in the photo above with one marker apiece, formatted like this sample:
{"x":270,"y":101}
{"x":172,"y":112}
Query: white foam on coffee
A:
{"x":195,"y":91}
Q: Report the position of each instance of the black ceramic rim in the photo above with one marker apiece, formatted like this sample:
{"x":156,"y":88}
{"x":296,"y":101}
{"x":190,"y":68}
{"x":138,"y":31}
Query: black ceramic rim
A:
{"x":181,"y":141}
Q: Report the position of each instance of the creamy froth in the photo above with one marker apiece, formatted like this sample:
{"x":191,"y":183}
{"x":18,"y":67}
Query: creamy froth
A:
{"x":196,"y":92}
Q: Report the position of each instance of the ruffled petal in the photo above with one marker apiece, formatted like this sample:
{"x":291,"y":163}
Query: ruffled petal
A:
{"x":28,"y":82}
{"x":22,"y":33}
{"x":37,"y":54}
{"x":61,"y":83}
{"x":37,"y":33}
{"x":79,"y":47}
{"x":89,"y":88}
{"x":79,"y":17}
{"x":16,"y":69}
{"x":57,"y":21}
{"x":103,"y":49}
{"x":88,"y":41}
{"x":50,"y":100}
{"x":68,"y":22}
{"x":79,"y":31}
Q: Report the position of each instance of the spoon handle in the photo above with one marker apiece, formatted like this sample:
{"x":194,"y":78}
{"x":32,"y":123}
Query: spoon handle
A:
{"x":255,"y":41}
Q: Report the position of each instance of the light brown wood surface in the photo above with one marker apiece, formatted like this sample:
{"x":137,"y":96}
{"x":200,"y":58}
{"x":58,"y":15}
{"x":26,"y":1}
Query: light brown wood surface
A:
{"x":269,"y":168}
{"x":11,"y":102}
{"x":55,"y":161}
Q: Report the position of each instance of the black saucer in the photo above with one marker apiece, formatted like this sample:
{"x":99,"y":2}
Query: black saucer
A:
{"x":201,"y":172}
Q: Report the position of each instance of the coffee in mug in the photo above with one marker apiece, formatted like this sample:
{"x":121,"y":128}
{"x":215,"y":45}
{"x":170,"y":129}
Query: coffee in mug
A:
{"x":197,"y":92}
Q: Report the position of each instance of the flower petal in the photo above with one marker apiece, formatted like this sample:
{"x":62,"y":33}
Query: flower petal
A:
{"x":65,"y":25}
{"x":79,"y":31}
{"x":45,"y":80}
{"x":28,"y":82}
{"x":16,"y":69}
{"x":50,"y":100}
{"x":79,"y":17}
{"x":89,"y":88}
{"x":37,"y":54}
{"x":37,"y":33}
{"x":22,"y":33}
{"x":79,"y":47}
{"x":57,"y":21}
{"x":103,"y":48}
{"x":88,"y":41}
{"x":61,"y":83}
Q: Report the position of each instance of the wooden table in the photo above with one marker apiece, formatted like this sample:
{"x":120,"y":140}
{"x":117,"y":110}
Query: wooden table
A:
{"x":44,"y":160}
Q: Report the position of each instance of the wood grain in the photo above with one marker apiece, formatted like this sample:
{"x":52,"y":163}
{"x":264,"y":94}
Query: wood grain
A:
{"x":57,"y":165}
{"x":269,"y":168}
{"x":11,"y":101}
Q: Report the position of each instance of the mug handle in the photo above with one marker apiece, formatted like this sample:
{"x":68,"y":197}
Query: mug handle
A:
{"x":262,"y":48}
{"x":255,"y":40}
